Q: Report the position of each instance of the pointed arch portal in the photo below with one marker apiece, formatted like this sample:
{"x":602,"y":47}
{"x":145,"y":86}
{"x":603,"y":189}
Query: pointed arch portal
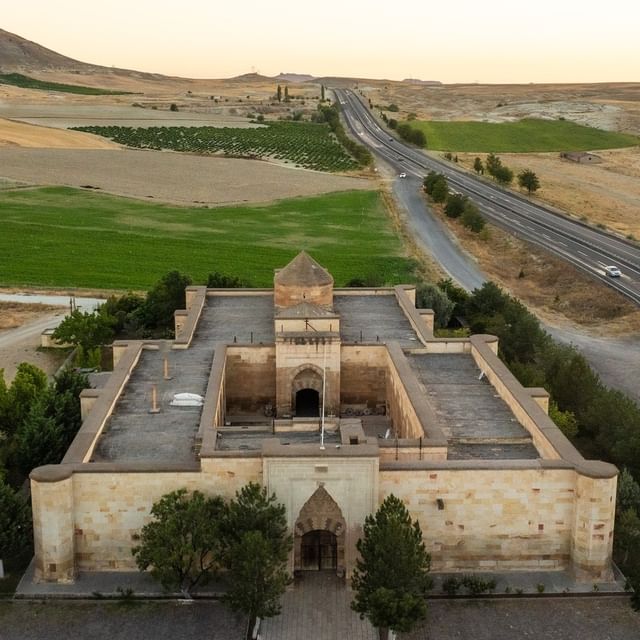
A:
{"x":319,"y":535}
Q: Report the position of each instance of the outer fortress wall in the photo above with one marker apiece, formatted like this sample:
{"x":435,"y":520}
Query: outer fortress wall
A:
{"x":508,"y":516}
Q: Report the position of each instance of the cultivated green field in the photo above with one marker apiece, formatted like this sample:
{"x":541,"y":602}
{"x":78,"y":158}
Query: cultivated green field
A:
{"x":18,"y":80}
{"x":62,"y":237}
{"x":530,"y":135}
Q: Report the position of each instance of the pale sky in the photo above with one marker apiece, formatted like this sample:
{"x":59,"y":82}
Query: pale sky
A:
{"x":446,"y":40}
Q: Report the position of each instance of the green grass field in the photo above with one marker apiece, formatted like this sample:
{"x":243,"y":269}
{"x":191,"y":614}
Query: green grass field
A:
{"x":63,"y":237}
{"x":25,"y":82}
{"x":525,"y":136}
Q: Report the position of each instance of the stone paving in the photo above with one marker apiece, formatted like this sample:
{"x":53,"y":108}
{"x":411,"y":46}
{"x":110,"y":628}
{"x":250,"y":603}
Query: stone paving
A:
{"x":317,"y":608}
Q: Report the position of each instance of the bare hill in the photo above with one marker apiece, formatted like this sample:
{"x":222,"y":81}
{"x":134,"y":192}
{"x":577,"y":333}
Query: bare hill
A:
{"x":18,"y":54}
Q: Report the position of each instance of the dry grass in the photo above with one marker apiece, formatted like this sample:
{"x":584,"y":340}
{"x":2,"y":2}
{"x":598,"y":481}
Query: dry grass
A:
{"x":19,"y":134}
{"x":549,"y":286}
{"x":177,"y":178}
{"x":15,"y":314}
{"x":604,"y":194}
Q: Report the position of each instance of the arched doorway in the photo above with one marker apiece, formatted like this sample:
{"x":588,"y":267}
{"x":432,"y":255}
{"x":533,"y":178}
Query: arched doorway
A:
{"x":319,"y":551}
{"x":306,"y":392}
{"x":307,"y":403}
{"x":319,"y":535}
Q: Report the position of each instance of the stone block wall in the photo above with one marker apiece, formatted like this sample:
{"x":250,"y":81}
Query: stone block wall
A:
{"x":91,"y":520}
{"x":250,"y":379}
{"x":497,"y":519}
{"x":363,"y":372}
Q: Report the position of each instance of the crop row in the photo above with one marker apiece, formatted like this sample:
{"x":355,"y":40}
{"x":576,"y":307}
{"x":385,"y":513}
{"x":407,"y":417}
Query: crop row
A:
{"x":307,"y":145}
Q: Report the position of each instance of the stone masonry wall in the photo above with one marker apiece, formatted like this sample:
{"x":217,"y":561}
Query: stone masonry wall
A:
{"x":91,"y":521}
{"x":492,"y":519}
{"x":250,"y":379}
{"x":363,"y":371}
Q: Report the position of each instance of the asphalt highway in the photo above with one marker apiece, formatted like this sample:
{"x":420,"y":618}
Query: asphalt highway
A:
{"x":587,"y":248}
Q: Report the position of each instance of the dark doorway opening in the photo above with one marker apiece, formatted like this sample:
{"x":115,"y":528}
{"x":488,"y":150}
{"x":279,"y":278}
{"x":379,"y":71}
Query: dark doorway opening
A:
{"x":319,"y":551}
{"x":307,"y":403}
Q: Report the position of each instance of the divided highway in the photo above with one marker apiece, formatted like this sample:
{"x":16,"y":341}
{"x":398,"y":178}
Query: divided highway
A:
{"x":586,"y":248}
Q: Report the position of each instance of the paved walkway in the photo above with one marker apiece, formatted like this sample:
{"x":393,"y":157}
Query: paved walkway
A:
{"x":317,"y":608}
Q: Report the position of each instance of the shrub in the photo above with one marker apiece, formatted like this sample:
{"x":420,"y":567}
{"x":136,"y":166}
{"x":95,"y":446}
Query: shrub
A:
{"x":451,"y":585}
{"x":472,"y":218}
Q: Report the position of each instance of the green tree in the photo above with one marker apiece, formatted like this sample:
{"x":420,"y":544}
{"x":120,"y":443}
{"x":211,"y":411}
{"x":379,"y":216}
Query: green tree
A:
{"x":86,"y":330}
{"x":256,"y":547}
{"x":28,"y":385}
{"x":492,"y":163}
{"x":181,"y":545}
{"x":430,"y":179}
{"x":455,"y":205}
{"x":430,"y":296}
{"x":440,"y":190}
{"x":472,"y":218}
{"x":391,"y":578}
{"x":39,"y":439}
{"x":322,"y":92}
{"x":162,"y":301}
{"x":478,"y":166}
{"x":503,"y":175}
{"x":393,"y":107}
{"x":528,"y":180}
{"x":218,"y":280}
{"x":256,"y":579}
{"x":565,"y":420}
{"x":15,"y":523}
{"x":286,"y":94}
{"x":279,"y":93}
{"x":121,"y":313}
{"x":628,"y":492}
{"x":627,"y":533}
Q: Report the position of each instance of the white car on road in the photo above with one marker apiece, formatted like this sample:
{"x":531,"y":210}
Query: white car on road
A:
{"x":402,"y":175}
{"x":612,"y":271}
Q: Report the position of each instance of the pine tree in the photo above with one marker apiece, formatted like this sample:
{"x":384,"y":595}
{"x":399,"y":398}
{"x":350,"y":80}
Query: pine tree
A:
{"x":391,"y":577}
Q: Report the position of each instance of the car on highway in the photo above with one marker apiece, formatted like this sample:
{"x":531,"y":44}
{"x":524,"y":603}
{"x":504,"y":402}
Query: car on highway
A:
{"x":402,"y":175}
{"x":613,"y":271}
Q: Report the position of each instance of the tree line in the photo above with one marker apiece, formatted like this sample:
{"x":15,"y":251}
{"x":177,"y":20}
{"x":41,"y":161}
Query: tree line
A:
{"x":456,"y":205}
{"x":38,"y":421}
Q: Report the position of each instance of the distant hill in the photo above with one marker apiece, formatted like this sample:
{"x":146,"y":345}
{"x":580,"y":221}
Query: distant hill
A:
{"x":18,"y":54}
{"x":294,"y":77}
{"x":249,"y":77}
{"x":416,"y":81}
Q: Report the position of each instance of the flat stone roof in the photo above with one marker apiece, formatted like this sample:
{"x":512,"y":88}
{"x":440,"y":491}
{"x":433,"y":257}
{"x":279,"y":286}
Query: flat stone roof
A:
{"x":132,"y":433}
{"x":376,"y":317}
{"x":227,"y":317}
{"x":475,"y":420}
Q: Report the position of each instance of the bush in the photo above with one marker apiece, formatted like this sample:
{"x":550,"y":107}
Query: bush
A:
{"x":455,"y":205}
{"x":430,"y":296}
{"x":173,"y":107}
{"x":472,"y":218}
{"x":451,"y":585}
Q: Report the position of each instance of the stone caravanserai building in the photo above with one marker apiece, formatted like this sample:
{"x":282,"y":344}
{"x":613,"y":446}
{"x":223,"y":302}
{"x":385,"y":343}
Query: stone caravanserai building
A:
{"x":439,"y":422}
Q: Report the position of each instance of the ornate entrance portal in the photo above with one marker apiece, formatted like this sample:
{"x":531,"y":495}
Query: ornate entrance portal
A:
{"x":319,"y":551}
{"x":319,"y":535}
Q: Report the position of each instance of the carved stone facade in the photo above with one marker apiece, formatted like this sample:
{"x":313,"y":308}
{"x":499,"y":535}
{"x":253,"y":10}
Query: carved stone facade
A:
{"x":320,"y":513}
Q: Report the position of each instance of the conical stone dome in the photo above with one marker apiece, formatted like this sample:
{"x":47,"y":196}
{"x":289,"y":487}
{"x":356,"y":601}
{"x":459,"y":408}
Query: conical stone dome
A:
{"x":303,"y":280}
